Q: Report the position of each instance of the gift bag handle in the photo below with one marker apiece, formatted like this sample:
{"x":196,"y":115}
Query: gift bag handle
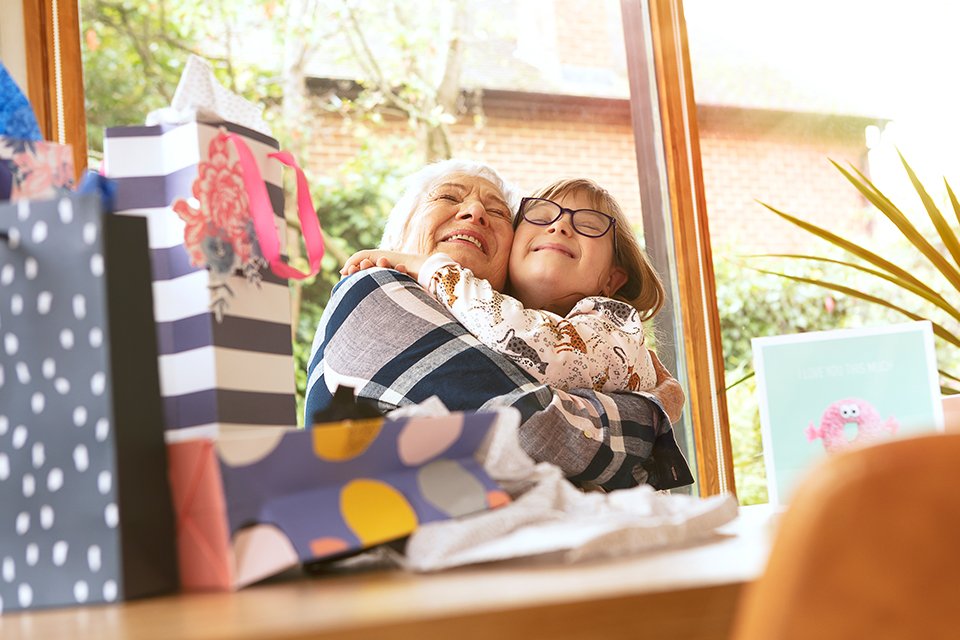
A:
{"x":262,"y":212}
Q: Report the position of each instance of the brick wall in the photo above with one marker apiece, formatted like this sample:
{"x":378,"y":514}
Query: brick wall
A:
{"x":783,"y":161}
{"x":533,"y":144}
{"x":746,"y":157}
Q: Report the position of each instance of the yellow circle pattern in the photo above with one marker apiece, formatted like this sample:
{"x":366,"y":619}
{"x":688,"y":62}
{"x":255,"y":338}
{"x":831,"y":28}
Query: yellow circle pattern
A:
{"x":376,"y":512}
{"x":345,"y":440}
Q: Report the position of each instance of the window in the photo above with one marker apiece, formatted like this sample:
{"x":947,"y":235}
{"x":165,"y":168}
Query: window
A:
{"x":781,"y":89}
{"x":619,"y":99}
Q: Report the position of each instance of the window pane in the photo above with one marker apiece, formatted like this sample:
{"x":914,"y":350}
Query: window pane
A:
{"x":363,"y":92}
{"x":781,"y":90}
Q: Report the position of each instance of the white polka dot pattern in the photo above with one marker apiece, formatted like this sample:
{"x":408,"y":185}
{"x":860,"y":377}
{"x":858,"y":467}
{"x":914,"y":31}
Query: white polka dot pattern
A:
{"x":19,"y":436}
{"x":38,"y":455}
{"x":29,"y":485}
{"x":57,"y":462}
{"x":44,"y":302}
{"x":25,"y":595}
{"x":65,"y":208}
{"x":60,"y":549}
{"x":30,"y":268}
{"x":93,"y":558}
{"x":81,"y":459}
{"x":9,"y":569}
{"x":46,"y":516}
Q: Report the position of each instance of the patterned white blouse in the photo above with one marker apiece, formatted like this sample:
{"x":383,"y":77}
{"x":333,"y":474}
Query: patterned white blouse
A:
{"x":599,"y":345}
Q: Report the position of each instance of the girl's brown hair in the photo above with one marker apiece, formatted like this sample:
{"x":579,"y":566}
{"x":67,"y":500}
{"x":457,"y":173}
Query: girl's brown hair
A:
{"x":643,"y":289}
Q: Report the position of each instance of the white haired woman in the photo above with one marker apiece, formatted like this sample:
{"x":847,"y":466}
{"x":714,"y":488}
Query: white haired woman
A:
{"x":382,"y":334}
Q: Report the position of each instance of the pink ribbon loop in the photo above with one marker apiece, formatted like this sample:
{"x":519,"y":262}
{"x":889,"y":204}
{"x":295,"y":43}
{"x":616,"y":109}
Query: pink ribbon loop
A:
{"x":262,"y":212}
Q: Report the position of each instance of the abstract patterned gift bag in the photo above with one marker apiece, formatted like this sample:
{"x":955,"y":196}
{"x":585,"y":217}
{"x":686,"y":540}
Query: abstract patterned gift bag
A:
{"x":254,"y":503}
{"x":85,"y":508}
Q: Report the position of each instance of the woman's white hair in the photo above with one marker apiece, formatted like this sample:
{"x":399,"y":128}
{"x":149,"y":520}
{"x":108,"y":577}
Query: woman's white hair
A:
{"x":416,"y":186}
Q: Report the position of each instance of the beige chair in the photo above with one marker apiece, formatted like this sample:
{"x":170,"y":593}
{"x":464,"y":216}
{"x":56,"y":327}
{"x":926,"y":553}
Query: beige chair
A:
{"x":869,"y":548}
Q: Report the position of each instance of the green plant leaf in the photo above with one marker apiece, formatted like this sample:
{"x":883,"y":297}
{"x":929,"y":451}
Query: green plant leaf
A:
{"x":865,"y":183}
{"x":953,"y":200}
{"x":938,"y":330}
{"x":909,"y":231}
{"x":922,"y":290}
{"x":741,"y":380}
{"x":950,"y":240}
{"x":949,"y":376}
{"x":848,"y":246}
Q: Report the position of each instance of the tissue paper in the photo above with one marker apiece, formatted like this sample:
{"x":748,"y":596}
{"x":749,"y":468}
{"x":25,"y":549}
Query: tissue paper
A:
{"x":199,"y":93}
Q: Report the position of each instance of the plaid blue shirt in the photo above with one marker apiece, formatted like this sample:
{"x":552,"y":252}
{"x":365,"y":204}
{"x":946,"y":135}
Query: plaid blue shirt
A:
{"x":386,"y":337}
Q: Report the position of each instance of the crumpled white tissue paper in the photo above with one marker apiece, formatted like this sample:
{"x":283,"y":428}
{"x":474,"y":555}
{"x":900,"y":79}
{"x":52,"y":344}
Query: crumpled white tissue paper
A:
{"x":200,"y":95}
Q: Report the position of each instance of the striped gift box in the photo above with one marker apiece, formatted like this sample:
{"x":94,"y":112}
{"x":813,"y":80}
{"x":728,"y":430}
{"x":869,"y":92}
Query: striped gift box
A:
{"x":238,"y":371}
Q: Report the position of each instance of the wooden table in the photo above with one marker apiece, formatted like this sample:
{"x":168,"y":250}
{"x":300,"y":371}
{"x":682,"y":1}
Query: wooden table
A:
{"x":679,"y":593}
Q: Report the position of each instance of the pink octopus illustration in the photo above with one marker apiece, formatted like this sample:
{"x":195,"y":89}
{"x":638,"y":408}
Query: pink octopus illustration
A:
{"x":870,"y":426}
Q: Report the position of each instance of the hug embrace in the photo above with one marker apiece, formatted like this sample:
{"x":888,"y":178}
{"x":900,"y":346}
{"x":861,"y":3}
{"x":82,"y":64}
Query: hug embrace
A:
{"x":432,"y":312}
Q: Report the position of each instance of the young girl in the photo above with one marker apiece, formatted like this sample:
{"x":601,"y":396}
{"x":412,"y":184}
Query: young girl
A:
{"x":581,"y":288}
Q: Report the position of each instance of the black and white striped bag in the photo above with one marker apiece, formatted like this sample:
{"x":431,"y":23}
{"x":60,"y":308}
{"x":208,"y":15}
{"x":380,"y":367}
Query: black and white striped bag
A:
{"x":224,"y":343}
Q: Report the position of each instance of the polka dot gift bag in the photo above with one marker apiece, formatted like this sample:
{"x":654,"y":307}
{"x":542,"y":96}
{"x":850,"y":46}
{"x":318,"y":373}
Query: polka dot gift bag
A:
{"x":85,"y":513}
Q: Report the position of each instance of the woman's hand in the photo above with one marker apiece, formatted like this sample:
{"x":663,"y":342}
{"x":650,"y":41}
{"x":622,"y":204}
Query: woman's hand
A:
{"x":408,"y":263}
{"x":668,"y":390}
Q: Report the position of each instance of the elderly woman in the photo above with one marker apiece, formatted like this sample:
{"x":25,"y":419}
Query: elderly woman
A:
{"x":382,"y":334}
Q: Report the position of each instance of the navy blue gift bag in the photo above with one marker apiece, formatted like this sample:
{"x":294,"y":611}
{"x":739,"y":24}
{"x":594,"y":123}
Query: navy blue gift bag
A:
{"x":85,"y":511}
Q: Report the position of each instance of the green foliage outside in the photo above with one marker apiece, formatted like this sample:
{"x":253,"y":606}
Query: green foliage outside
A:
{"x":123,"y":82}
{"x":353,"y":206}
{"x":134,"y":53}
{"x":753,"y":305}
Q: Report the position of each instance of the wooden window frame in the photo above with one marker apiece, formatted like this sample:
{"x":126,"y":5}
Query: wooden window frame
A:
{"x":55,"y":73}
{"x":667,"y":140}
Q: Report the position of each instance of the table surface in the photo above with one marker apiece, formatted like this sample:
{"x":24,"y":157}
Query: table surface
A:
{"x":688,"y":592}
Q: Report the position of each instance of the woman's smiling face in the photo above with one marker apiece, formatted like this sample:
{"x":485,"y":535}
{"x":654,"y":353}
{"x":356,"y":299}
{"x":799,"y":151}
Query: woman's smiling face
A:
{"x":467,"y":218}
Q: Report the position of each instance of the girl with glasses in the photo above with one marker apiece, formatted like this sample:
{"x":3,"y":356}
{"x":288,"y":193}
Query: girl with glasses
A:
{"x":580,"y":288}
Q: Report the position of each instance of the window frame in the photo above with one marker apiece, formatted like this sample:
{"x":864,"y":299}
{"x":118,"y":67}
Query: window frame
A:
{"x":51,"y":31}
{"x":675,"y":224}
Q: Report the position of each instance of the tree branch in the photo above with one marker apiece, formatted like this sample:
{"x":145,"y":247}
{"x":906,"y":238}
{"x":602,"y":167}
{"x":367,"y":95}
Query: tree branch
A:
{"x":366,"y":59}
{"x":228,"y":45}
{"x":121,"y":24}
